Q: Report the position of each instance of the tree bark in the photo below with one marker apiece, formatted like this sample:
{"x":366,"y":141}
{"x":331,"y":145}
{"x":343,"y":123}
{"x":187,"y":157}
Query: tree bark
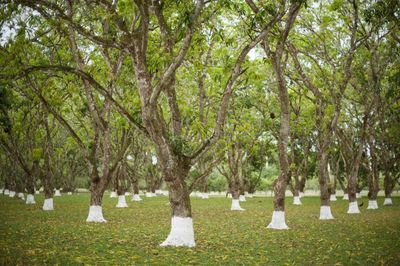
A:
{"x":30,"y":184}
{"x":179,"y":195}
{"x":373,"y":175}
{"x":96,"y":193}
{"x":352,"y":185}
{"x":323,"y":178}
{"x":280,"y":184}
{"x":284,"y":131}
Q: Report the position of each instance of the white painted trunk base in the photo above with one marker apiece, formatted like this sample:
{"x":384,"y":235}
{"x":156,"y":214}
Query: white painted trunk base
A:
{"x":353,"y":208}
{"x":149,"y":195}
{"x":236,"y":205}
{"x":358,"y":196}
{"x":325,"y":213}
{"x":301,"y":194}
{"x":333,"y":197}
{"x":204,"y":196}
{"x":113,"y":194}
{"x":48,"y":205}
{"x":1,"y":191}
{"x":127,"y":194}
{"x":346,"y":196}
{"x":37,"y":192}
{"x":278,"y":221}
{"x":95,"y":214}
{"x":181,"y":234}
{"x":387,"y":202}
{"x":21,"y":195}
{"x":158,"y":192}
{"x":121,"y":202}
{"x":229,"y":195}
{"x":12,"y":194}
{"x":57,"y":193}
{"x":136,"y":197}
{"x":242,"y":198}
{"x":372,"y":205}
{"x":6,"y":192}
{"x":69,"y":193}
{"x":30,"y":199}
{"x":249,"y":195}
{"x":296,"y":200}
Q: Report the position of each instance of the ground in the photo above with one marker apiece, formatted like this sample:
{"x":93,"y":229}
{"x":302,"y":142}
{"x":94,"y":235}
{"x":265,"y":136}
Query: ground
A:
{"x":30,"y":236}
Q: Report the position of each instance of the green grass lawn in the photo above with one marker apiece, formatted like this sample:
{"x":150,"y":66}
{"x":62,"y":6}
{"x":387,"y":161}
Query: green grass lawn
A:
{"x":30,"y":236}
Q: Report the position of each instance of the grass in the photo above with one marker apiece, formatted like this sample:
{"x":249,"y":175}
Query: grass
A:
{"x":30,"y":236}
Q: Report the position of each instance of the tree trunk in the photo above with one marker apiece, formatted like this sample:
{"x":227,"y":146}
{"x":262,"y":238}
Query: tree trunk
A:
{"x":278,"y":216}
{"x":135,"y":186}
{"x":302,"y":184}
{"x":236,"y":192}
{"x":335,"y":167}
{"x":387,"y":183}
{"x":373,"y":177}
{"x":204,"y":188}
{"x":182,"y":233}
{"x":296,"y":192}
{"x":333,"y":184}
{"x":235,"y":188}
{"x":352,"y":185}
{"x":97,"y":189}
{"x":149,"y":183}
{"x":30,"y":188}
{"x":120,"y":176}
{"x":48,"y":193}
{"x":323,"y":177}
{"x":325,"y":210}
{"x":280,"y":183}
